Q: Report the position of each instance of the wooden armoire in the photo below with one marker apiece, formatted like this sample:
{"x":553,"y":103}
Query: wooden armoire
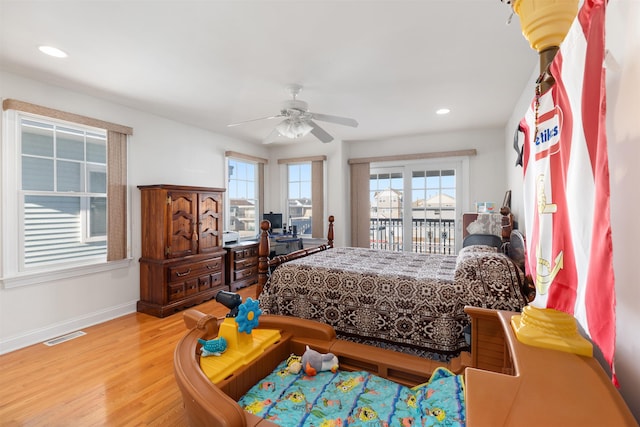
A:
{"x":182,"y":261}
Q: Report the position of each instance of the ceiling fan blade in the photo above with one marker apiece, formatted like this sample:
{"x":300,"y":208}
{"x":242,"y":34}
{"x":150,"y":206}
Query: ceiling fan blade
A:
{"x":271,"y":137}
{"x":255,"y":120}
{"x":335,"y":119}
{"x":320,"y":133}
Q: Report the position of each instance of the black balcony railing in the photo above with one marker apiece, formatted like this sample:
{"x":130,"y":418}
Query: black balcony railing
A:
{"x":432,"y":236}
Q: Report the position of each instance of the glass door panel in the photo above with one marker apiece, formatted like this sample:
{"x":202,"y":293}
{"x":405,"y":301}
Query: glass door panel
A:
{"x":433,"y":211}
{"x":386,"y":198}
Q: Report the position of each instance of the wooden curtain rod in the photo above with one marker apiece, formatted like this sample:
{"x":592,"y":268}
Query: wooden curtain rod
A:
{"x":302,"y":159}
{"x":248,"y":157}
{"x":419,"y":156}
{"x":26,"y":107}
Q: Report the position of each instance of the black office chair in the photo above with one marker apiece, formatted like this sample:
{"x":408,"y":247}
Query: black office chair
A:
{"x":482,"y":239}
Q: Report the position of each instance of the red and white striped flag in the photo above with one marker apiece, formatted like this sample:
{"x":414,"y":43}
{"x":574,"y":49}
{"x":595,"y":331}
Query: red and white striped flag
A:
{"x":566,"y":184}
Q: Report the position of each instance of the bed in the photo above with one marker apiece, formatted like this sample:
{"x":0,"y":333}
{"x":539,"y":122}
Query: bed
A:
{"x":506,"y":382}
{"x":406,"y":301}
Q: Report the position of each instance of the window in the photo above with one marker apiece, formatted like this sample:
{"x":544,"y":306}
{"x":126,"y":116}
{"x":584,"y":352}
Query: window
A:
{"x":433,"y":210}
{"x":245,"y":194}
{"x":299,"y":207}
{"x":386,"y":201}
{"x":242,"y":194}
{"x":303,"y":179}
{"x":64,"y":194}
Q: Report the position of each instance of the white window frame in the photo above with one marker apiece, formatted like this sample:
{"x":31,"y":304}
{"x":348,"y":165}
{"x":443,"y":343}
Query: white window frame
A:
{"x":11,"y":219}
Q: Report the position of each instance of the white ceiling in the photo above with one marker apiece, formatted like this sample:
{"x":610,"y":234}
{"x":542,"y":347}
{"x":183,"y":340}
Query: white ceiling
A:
{"x":388,"y":64}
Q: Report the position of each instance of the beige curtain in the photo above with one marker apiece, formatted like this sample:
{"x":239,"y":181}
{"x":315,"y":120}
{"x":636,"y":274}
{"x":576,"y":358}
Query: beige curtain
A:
{"x":317,"y":198}
{"x":360,"y":209}
{"x":260,"y":190}
{"x":117,"y":196}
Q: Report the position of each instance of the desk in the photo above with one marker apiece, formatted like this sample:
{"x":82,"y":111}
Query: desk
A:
{"x":282,"y":245}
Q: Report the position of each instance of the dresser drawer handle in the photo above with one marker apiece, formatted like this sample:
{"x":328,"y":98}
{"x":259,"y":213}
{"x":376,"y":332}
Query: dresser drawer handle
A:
{"x":211,"y":268}
{"x":183,"y":274}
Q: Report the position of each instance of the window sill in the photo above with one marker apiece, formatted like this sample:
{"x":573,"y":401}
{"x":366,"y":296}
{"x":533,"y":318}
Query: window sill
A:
{"x":33,"y":278}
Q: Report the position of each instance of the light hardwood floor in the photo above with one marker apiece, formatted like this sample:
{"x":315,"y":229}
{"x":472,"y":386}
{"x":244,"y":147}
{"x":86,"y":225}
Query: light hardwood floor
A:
{"x":119,"y":374}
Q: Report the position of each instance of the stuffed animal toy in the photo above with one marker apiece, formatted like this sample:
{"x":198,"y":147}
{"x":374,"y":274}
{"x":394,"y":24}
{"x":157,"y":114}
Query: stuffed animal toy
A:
{"x":314,"y":362}
{"x":294,"y":365}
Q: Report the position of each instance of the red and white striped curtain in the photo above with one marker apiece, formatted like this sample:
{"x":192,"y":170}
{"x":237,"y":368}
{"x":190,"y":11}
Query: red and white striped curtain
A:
{"x":566,"y":184}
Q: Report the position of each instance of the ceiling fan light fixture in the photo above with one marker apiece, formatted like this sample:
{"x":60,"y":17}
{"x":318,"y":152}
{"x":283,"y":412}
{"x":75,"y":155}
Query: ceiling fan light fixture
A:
{"x":294,"y":128}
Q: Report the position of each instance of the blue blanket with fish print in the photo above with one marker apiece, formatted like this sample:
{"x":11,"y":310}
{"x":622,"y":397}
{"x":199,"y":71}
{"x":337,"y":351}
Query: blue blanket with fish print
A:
{"x":355,"y":399}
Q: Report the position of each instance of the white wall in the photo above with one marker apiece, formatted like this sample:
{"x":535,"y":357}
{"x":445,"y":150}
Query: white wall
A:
{"x":623,"y":135}
{"x":161,"y":151}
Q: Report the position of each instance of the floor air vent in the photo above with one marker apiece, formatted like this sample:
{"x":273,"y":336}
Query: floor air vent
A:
{"x":63,"y":338}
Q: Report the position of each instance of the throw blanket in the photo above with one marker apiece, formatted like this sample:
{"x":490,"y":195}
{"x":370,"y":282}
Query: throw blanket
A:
{"x":406,"y":299}
{"x":355,"y":398}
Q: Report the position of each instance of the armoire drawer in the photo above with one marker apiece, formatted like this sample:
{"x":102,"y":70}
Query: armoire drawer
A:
{"x":185,"y":271}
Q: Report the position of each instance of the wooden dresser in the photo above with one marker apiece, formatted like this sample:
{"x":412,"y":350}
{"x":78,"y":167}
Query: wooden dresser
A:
{"x":242,"y":264}
{"x":182,"y":261}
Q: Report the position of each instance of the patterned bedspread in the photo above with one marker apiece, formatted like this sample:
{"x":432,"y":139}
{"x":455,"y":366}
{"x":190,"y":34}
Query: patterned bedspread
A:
{"x":409,"y":299}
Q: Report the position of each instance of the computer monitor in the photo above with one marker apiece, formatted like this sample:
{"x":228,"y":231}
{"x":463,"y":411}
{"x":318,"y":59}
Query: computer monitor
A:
{"x":275,"y":219}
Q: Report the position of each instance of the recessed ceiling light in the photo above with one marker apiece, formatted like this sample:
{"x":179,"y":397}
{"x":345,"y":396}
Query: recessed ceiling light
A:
{"x":443,"y":111}
{"x":52,"y":51}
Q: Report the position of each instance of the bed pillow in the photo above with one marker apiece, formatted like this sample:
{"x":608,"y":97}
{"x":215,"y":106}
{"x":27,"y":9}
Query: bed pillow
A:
{"x":474,"y":250}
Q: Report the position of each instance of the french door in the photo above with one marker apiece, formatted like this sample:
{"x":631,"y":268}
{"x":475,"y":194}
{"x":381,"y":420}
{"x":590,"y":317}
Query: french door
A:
{"x":414,"y":208}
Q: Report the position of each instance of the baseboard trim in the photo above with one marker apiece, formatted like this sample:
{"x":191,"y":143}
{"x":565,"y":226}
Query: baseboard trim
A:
{"x":40,"y":335}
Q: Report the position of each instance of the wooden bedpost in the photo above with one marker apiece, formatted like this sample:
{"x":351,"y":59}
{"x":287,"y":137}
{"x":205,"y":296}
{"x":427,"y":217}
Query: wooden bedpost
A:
{"x":330,"y":232}
{"x":264,"y":263}
{"x":263,"y":256}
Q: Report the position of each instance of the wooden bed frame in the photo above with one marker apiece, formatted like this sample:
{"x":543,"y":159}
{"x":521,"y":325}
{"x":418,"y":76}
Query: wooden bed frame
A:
{"x":507,"y":382}
{"x":265,"y":265}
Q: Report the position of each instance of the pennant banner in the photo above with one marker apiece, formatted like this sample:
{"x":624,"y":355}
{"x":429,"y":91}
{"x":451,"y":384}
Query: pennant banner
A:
{"x":566,"y":184}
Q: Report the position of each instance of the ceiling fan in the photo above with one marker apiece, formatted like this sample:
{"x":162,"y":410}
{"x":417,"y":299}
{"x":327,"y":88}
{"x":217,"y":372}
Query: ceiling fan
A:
{"x":299,"y":121}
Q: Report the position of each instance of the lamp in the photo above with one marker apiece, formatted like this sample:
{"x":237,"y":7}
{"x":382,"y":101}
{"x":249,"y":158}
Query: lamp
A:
{"x":294,"y":128}
{"x":545,"y":24}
